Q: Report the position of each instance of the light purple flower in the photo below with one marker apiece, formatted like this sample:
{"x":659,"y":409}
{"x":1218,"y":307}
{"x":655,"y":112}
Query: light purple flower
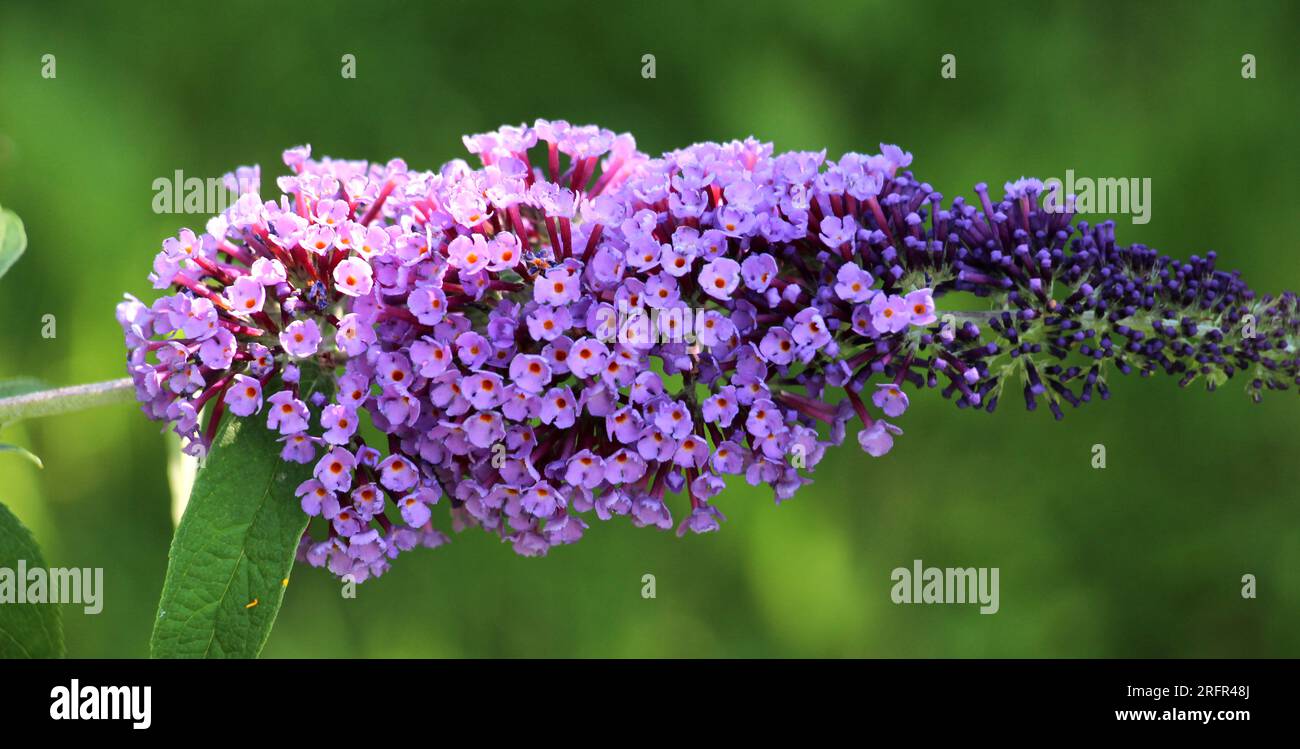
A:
{"x":334,"y":470}
{"x":587,"y":357}
{"x":721,"y":408}
{"x":340,"y":423}
{"x":585,"y":469}
{"x":431,"y":358}
{"x":397,"y":473}
{"x":368,"y":501}
{"x":244,"y":396}
{"x":428,"y":304}
{"x":837,"y":232}
{"x":558,"y":407}
{"x":558,"y":287}
{"x":353,"y":336}
{"x":393,"y":370}
{"x":469,"y":254}
{"x":891,"y":399}
{"x":286,"y":413}
{"x":312,"y":494}
{"x":414,"y":510}
{"x":547,"y":323}
{"x":218,"y":352}
{"x":624,"y":467}
{"x":530,"y":373}
{"x":301,"y":338}
{"x":758,"y":271}
{"x":585,"y":327}
{"x":719,"y":277}
{"x":777,"y":346}
{"x":483,"y":389}
{"x":246,"y":296}
{"x":298,"y":448}
{"x":920,"y":305}
{"x":541,"y":500}
{"x":353,"y":277}
{"x":878,"y":439}
{"x":852,"y":284}
{"x":889,"y":313}
{"x":484,"y":428}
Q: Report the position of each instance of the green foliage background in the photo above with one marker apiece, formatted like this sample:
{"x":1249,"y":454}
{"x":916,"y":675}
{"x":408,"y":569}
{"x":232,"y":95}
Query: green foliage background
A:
{"x":1143,"y":558}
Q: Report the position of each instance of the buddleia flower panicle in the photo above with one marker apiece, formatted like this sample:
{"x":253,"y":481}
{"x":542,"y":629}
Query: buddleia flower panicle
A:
{"x":576,"y":329}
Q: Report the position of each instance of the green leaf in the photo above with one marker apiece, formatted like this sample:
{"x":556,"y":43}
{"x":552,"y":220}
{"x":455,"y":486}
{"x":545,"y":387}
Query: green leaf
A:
{"x":21,"y":451}
{"x":13,"y":239}
{"x":233,"y":551}
{"x":27,"y":630}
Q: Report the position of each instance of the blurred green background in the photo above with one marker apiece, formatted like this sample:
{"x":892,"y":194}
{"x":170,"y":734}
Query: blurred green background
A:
{"x":1144,"y":558}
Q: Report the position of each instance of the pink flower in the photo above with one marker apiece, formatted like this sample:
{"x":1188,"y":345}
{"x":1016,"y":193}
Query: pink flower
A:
{"x":376,"y":242}
{"x":505,"y":252}
{"x":246,"y":296}
{"x":470,"y":255}
{"x":301,"y":338}
{"x":353,"y":277}
{"x":268,"y":271}
{"x":318,"y":239}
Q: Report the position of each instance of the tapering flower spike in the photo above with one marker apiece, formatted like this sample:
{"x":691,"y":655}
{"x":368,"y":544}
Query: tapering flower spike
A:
{"x":576,"y":328}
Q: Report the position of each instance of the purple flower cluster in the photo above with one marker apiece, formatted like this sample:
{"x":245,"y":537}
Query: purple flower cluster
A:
{"x":578,"y":328}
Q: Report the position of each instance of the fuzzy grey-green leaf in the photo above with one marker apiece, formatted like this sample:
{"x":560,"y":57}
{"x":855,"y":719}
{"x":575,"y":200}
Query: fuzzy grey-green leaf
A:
{"x":233,"y":549}
{"x":27,"y":630}
{"x":13,"y":240}
{"x":22,"y":452}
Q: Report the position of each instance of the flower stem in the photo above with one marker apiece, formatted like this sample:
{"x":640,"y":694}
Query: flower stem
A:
{"x":65,"y":400}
